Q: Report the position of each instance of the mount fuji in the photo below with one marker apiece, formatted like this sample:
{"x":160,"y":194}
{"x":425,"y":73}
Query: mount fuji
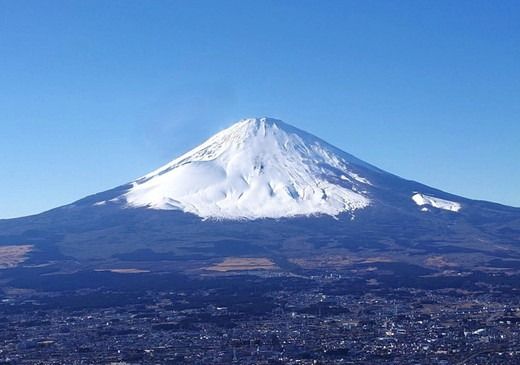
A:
{"x":263,"y":187}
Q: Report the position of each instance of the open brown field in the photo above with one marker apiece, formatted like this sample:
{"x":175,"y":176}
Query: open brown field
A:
{"x":11,"y":256}
{"x":243,"y":263}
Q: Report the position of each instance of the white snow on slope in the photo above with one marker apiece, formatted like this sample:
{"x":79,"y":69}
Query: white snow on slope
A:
{"x":257,"y":168}
{"x":421,"y":200}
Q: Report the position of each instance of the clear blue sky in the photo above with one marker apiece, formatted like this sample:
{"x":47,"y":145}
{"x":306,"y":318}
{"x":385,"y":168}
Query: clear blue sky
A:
{"x":96,"y":93}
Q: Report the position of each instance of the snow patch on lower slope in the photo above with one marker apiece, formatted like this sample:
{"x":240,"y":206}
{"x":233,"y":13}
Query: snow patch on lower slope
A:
{"x":422,"y":199}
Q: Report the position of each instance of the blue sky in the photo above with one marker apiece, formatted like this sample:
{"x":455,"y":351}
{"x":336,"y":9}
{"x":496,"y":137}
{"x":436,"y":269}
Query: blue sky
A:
{"x":96,"y":93}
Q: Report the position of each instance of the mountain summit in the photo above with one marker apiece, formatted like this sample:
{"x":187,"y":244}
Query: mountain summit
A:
{"x":263,"y":168}
{"x":257,"y":168}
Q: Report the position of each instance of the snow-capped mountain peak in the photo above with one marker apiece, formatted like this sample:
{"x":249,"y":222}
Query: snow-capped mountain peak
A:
{"x":257,"y":168}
